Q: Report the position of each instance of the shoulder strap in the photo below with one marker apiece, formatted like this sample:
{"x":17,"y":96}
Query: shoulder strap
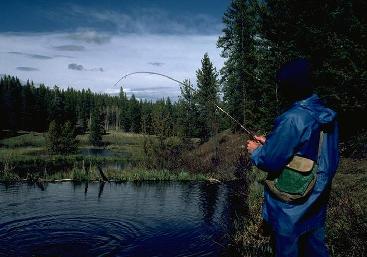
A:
{"x":320,"y":144}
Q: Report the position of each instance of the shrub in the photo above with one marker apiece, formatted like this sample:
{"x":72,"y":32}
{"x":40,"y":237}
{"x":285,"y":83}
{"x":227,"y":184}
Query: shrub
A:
{"x":61,"y":139}
{"x":96,"y":129}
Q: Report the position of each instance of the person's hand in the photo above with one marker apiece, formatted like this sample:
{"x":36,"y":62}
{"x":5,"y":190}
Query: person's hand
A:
{"x":252,"y":145}
{"x":262,"y":139}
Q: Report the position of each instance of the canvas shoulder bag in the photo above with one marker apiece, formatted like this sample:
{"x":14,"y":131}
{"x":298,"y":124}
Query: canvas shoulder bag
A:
{"x":296,"y":181}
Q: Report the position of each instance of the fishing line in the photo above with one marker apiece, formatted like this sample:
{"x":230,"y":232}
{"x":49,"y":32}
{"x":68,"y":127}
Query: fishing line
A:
{"x":250,"y":133}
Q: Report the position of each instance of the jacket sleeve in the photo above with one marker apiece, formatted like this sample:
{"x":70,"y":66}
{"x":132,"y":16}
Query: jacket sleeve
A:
{"x":280,"y":145}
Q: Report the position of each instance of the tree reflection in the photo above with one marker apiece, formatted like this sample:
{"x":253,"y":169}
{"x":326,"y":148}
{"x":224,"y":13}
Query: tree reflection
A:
{"x":101,"y":187}
{"x":86,"y":188}
{"x":208,"y":200}
{"x":235,"y":211}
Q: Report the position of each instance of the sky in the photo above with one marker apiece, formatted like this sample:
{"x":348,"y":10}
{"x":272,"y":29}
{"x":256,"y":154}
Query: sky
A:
{"x":93,"y":43}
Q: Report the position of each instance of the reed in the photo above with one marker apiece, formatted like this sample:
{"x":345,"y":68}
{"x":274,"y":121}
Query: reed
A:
{"x":90,"y":173}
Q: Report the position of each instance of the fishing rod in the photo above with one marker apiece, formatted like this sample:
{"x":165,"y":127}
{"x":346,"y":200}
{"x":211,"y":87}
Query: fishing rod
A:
{"x":250,"y":133}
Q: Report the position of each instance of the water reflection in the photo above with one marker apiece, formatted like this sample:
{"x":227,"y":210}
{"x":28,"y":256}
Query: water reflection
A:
{"x":86,"y":188}
{"x":96,"y":152}
{"x":101,"y":187}
{"x":237,"y":206}
{"x":208,"y":200}
{"x":235,"y":212}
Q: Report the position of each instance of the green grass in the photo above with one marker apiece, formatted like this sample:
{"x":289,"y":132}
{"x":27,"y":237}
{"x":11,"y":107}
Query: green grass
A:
{"x":124,"y":175}
{"x":27,"y":155}
{"x":31,"y":139}
{"x":155,"y":175}
{"x":119,"y":143}
{"x":29,"y":149}
{"x":347,"y":215}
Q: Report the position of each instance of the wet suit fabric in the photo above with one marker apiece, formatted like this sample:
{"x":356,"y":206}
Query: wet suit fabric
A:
{"x":310,"y":244}
{"x":297,"y":131}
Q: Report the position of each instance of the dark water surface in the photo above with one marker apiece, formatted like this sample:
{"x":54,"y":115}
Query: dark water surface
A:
{"x":96,"y":152}
{"x":129,"y":219}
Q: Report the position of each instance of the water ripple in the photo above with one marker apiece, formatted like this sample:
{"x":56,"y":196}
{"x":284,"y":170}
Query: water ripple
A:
{"x":127,"y":220}
{"x":96,"y":235}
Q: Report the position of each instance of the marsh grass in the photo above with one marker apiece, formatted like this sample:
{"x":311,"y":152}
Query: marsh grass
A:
{"x":155,"y":175}
{"x":28,"y":156}
{"x":119,"y":143}
{"x":27,"y":152}
{"x":32,"y":139}
{"x":7,"y":174}
{"x":125,"y":175}
{"x":347,"y":215}
{"x":246,"y":240}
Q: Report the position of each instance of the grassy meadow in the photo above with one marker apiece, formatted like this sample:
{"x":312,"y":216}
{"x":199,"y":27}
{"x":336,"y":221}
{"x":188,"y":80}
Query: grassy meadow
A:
{"x":122,"y":158}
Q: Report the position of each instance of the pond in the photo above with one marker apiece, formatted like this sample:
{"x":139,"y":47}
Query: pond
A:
{"x":128,"y":219}
{"x":96,"y":152}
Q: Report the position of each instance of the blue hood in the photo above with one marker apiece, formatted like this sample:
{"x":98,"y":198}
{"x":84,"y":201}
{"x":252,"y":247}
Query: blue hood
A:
{"x":322,"y":114}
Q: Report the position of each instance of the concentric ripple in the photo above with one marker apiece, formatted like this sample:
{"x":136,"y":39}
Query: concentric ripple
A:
{"x":61,"y":235}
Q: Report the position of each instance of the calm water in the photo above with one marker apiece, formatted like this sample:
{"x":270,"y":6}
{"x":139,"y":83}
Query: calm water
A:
{"x":130,"y":219}
{"x":96,"y":152}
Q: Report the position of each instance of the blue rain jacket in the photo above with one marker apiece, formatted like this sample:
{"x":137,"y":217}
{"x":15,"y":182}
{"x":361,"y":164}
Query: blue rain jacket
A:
{"x":297,"y":131}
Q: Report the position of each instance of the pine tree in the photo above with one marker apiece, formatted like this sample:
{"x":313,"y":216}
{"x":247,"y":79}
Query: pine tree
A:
{"x":125,"y":118}
{"x":53,"y":138}
{"x":207,"y":98}
{"x":187,"y":112}
{"x":238,"y":44}
{"x":68,"y":138}
{"x":61,"y":139}
{"x":146,"y":118}
{"x":135,"y":115}
{"x":96,"y":128}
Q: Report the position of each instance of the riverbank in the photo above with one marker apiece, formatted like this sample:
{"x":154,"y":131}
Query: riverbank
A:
{"x":93,"y":175}
{"x":124,"y":157}
{"x":347,"y":214}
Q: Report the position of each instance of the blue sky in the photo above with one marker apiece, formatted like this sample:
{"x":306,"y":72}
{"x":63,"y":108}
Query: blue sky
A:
{"x":91,"y":44}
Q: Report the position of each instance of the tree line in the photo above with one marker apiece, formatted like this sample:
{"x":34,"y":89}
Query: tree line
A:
{"x":39,"y":108}
{"x":258,"y":36}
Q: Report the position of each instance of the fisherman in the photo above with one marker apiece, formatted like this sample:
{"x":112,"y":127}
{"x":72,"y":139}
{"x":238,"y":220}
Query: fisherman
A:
{"x":298,"y":228}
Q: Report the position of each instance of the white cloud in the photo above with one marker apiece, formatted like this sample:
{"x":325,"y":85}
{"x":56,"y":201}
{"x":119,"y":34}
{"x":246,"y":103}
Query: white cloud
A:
{"x":119,"y":55}
{"x":143,"y":20}
{"x":90,"y":36}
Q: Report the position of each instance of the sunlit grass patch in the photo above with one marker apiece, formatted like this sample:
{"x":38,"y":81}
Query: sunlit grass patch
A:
{"x":122,"y":138}
{"x":139,"y":174}
{"x":25,"y":140}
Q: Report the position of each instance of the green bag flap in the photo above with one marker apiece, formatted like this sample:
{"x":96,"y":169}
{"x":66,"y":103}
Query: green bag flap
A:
{"x":296,"y":180}
{"x":293,"y":182}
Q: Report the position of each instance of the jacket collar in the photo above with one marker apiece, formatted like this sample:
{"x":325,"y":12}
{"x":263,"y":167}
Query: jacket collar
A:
{"x":312,"y":99}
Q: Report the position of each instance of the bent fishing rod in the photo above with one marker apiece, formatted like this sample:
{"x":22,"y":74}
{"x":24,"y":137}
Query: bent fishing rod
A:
{"x":250,"y":133}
